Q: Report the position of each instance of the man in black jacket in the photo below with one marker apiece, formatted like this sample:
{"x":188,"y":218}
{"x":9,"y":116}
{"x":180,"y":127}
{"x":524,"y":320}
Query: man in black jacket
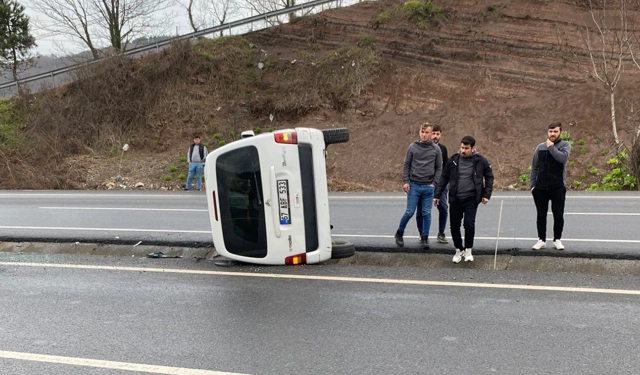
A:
{"x":548,"y":180}
{"x":470,"y":181}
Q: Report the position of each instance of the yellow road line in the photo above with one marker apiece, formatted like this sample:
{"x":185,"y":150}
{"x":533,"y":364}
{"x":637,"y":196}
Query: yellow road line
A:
{"x":332,"y":278}
{"x":95,"y":363}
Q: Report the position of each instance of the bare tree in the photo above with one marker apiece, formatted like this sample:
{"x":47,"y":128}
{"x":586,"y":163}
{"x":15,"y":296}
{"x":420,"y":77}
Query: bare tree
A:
{"x":608,"y":47}
{"x":97,"y":23}
{"x":68,"y":17}
{"x":209,"y":13}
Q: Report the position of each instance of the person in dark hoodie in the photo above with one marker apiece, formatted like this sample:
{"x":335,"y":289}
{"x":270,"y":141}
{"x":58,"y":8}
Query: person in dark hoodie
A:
{"x":421,"y":171}
{"x":470,"y":179}
{"x":548,"y":180}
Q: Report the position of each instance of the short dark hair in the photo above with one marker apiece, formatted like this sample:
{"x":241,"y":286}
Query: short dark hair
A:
{"x":554,"y":125}
{"x":196,"y":135}
{"x":436,"y":128}
{"x":468,"y":140}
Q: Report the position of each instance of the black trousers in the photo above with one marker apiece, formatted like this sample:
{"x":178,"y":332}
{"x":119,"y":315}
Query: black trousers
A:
{"x":541,"y":198}
{"x":463,"y":208}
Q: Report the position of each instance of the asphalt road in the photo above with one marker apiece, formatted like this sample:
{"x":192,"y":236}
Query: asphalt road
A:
{"x":596,"y":224}
{"x":308,"y":320}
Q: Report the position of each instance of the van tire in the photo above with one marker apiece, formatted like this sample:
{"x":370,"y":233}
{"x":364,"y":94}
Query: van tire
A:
{"x":339,"y":135}
{"x":342,"y":249}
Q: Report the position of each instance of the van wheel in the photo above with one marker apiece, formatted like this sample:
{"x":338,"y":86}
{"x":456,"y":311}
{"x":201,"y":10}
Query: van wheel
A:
{"x":342,"y":249}
{"x":339,"y":135}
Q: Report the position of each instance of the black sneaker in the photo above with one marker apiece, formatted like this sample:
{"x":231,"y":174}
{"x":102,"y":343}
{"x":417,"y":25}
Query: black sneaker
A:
{"x":424,"y":242}
{"x":442,"y":238}
{"x":398,"y":237}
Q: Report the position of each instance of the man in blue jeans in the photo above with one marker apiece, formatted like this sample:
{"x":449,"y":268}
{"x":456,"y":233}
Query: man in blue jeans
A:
{"x":443,"y":206}
{"x":196,"y":157}
{"x":421,"y":171}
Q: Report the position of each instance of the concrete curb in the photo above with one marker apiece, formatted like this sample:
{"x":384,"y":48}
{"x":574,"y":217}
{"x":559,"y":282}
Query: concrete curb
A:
{"x":40,"y":251}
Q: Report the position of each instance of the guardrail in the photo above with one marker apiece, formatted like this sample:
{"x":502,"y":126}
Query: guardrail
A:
{"x":157,"y":46}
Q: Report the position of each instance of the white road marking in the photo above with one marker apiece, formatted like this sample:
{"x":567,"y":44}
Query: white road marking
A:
{"x":133,"y":230}
{"x":109,"y":229}
{"x":493,"y":238}
{"x":329,"y":278}
{"x":111,"y":196}
{"x":124,"y":209}
{"x":95,"y":363}
{"x":601,"y":213}
{"x":493,"y":197}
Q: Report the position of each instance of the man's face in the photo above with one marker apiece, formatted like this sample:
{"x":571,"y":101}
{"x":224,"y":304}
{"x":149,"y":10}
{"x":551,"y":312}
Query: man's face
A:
{"x":425,"y":134}
{"x":553,"y":134}
{"x":196,"y":141}
{"x":466,"y":150}
{"x":435,"y":136}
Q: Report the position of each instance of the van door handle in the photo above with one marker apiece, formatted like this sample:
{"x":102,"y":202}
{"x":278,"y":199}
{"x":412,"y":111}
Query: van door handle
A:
{"x":298,"y":200}
{"x":274,"y":198}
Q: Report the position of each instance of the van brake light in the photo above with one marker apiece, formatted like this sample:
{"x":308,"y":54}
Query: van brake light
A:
{"x":286,"y":136}
{"x":296,"y":259}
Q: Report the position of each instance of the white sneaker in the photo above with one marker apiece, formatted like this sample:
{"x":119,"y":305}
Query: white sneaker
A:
{"x":539,"y":245}
{"x":558,"y":245}
{"x":468,"y":257}
{"x":458,"y":257}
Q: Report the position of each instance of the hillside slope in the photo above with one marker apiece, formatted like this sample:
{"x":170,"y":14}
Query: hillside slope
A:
{"x":500,"y":71}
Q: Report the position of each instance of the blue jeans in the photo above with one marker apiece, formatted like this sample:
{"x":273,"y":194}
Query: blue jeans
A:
{"x":422,"y":194}
{"x":195,"y":169}
{"x":443,"y":212}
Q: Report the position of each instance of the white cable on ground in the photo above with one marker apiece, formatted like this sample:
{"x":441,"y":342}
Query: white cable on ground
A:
{"x":495,"y":257}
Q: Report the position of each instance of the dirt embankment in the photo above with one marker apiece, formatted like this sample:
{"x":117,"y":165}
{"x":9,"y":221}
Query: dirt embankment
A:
{"x":500,"y":71}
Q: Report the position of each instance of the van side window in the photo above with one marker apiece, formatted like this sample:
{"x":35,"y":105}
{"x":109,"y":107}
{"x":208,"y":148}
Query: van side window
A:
{"x":241,"y":202}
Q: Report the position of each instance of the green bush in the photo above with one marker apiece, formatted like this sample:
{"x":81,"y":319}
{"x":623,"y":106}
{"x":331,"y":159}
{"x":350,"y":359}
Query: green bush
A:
{"x":367,"y":41}
{"x":182,"y":159}
{"x":583,"y":151}
{"x":618,"y":178}
{"x":182,"y":177}
{"x":173,"y":168}
{"x":168,"y":178}
{"x":565,"y":135}
{"x":217,"y":136}
{"x":572,"y":163}
{"x":221,"y":143}
{"x":596,"y":141}
{"x":603,"y":152}
{"x":422,"y":12}
{"x":257,"y":130}
{"x":593,"y":171}
{"x":581,"y":142}
{"x":577,"y":184}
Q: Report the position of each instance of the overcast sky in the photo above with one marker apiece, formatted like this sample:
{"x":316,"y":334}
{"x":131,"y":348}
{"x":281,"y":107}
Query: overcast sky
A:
{"x":49,"y":44}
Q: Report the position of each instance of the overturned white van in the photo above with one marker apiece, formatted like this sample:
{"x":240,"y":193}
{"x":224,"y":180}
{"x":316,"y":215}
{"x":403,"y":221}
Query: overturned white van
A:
{"x":268,"y":199}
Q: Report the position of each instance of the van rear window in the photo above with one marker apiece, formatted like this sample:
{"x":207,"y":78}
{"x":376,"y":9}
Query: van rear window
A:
{"x":241,"y":202}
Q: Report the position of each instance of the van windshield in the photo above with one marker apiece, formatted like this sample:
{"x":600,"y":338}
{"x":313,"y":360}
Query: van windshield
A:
{"x":241,"y":202}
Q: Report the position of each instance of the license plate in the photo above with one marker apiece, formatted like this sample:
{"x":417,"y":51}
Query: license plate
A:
{"x":283,"y":201}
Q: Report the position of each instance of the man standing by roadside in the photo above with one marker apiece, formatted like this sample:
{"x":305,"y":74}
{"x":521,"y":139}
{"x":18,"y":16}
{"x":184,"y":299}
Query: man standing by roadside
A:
{"x":470,"y":181}
{"x":443,"y":207}
{"x":548,"y":181}
{"x":421,"y":171}
{"x":196,"y":157}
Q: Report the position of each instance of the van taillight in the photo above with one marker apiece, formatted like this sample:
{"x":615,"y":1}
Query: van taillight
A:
{"x":296,"y":259}
{"x":286,"y":136}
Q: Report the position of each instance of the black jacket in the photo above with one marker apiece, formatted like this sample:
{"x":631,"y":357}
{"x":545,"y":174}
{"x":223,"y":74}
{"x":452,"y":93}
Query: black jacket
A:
{"x":482,"y":177}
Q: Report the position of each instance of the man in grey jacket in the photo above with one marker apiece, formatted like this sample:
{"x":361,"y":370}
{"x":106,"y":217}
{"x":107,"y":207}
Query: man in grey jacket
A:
{"x":548,"y":181}
{"x":421,"y":171}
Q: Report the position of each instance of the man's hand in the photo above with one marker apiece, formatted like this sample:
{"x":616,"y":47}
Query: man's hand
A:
{"x":533,"y":188}
{"x":405,"y":187}
{"x":485,"y":200}
{"x":436,"y":201}
{"x":549,"y":143}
